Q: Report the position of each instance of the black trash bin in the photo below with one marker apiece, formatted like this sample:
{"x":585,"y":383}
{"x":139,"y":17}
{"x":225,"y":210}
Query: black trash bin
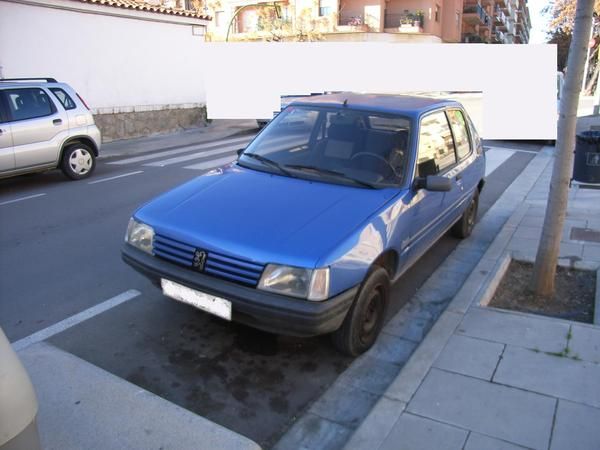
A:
{"x":586,"y":167}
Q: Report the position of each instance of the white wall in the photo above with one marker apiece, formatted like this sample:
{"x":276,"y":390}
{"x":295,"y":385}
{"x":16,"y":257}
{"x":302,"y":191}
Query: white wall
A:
{"x":112,"y":61}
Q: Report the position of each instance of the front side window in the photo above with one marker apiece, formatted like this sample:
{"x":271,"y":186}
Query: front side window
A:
{"x":63,"y":98}
{"x":436,"y":148}
{"x":337,"y":145}
{"x":28,"y":103}
{"x":461,"y":135}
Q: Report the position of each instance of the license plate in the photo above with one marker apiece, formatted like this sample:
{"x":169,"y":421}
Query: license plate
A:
{"x":209,"y":303}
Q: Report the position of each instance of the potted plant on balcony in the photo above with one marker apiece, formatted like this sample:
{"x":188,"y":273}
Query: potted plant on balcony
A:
{"x":420,"y":16}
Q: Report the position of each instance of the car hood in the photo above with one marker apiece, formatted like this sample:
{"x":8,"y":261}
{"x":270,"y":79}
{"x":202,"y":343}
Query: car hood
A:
{"x":262,"y":217}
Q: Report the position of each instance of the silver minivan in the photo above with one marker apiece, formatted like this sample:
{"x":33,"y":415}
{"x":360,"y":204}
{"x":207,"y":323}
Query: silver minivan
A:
{"x":45,"y":125}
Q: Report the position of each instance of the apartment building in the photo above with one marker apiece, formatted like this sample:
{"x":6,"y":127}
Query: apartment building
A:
{"x":337,"y":20}
{"x":496,"y":21}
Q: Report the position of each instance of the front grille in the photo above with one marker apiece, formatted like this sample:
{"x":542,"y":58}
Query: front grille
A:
{"x":217,"y":264}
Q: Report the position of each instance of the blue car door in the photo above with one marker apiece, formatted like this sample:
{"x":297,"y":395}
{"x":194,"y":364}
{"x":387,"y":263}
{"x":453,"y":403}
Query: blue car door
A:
{"x":467,"y":171}
{"x":431,"y":212}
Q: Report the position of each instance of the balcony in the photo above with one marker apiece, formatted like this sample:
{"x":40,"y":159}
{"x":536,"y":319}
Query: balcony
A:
{"x":499,"y":37}
{"x":406,"y":22}
{"x":475,"y":15}
{"x":499,"y":18}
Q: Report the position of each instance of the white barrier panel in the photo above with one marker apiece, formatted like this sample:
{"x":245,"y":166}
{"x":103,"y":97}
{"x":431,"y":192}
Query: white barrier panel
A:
{"x":246,"y":80}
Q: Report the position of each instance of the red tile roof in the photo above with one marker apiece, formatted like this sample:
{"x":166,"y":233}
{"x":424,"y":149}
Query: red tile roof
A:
{"x":143,"y":6}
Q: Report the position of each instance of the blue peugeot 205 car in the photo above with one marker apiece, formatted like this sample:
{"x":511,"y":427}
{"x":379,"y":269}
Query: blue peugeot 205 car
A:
{"x":329,"y":204}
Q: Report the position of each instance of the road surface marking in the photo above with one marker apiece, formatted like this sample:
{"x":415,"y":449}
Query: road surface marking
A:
{"x":102,"y":180}
{"x":74,"y":320}
{"x":21,"y":199}
{"x":494,"y":157}
{"x":204,"y":154}
{"x":188,"y":148}
{"x":511,"y":149}
{"x":212,"y":164}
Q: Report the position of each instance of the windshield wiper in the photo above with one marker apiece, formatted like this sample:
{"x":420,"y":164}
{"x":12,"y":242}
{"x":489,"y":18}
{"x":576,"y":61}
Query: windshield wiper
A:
{"x":335,"y":173}
{"x":268,"y":162}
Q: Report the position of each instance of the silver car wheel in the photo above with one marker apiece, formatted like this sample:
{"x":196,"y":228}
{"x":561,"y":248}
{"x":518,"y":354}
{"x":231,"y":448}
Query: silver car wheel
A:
{"x":80,"y":161}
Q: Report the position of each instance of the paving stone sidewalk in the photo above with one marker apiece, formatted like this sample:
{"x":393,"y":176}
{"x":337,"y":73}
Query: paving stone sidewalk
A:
{"x":485,"y":378}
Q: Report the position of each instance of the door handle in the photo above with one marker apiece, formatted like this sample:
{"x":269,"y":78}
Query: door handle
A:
{"x":57,"y":121}
{"x":459,"y":177}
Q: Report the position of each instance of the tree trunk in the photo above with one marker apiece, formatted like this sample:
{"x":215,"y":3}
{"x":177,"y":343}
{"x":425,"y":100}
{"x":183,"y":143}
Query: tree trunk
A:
{"x":589,"y":90}
{"x":544,"y":269}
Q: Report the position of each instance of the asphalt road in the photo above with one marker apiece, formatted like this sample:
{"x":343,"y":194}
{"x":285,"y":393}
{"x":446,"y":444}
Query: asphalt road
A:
{"x":60,"y":255}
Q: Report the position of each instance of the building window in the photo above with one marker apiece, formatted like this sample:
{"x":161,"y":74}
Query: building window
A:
{"x":219,"y":18}
{"x":326,"y":7}
{"x":437,"y":13}
{"x":285,"y":14}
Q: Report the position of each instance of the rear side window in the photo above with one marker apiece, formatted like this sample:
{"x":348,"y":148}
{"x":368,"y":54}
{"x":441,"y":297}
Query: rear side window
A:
{"x":28,"y":103}
{"x":436,"y":147}
{"x":461,"y":135}
{"x":63,"y":98}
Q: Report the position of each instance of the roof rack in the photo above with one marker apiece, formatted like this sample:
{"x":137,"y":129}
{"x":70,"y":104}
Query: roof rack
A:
{"x":49,"y":80}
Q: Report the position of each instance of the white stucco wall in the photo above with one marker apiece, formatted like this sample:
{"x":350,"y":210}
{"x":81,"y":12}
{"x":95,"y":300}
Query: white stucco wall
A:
{"x":112,"y":57}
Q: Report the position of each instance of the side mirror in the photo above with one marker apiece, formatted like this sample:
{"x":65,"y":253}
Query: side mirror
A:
{"x":434,"y":183}
{"x":240,"y":151}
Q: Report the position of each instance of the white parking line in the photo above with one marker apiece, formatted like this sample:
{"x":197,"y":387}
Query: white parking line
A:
{"x":212,"y":164}
{"x":102,"y":180}
{"x":494,"y":157}
{"x":21,"y":199}
{"x":188,"y":148}
{"x":520,"y":150}
{"x":74,"y":320}
{"x":204,"y":154}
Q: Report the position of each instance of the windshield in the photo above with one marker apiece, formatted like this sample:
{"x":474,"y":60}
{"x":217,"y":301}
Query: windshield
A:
{"x":336,"y":145}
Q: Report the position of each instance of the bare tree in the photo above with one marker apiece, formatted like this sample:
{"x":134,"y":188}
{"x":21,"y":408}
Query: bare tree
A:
{"x":544,"y":270}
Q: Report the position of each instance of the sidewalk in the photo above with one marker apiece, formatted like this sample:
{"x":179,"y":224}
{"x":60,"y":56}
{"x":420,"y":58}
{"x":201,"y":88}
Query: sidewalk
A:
{"x":485,"y":378}
{"x":216,"y":130}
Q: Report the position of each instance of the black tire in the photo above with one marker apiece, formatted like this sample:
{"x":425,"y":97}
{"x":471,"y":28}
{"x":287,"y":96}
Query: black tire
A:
{"x":366,"y":316}
{"x":463,"y":228}
{"x":78,"y":161}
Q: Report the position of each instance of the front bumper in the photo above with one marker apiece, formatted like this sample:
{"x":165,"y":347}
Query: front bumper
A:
{"x":259,"y":309}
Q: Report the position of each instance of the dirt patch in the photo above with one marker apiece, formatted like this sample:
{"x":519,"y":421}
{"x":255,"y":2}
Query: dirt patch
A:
{"x":573,"y":298}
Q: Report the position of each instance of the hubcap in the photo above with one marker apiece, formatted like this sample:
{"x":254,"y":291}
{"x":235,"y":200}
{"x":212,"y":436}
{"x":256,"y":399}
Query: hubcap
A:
{"x":472,"y":214}
{"x":80,"y":161}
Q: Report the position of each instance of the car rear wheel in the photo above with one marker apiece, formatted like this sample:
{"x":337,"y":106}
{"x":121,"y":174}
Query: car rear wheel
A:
{"x":78,"y":161}
{"x":366,"y":315}
{"x":463,"y":228}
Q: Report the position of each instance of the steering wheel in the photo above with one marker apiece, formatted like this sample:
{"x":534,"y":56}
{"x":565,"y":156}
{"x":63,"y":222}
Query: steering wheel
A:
{"x":378,"y":157}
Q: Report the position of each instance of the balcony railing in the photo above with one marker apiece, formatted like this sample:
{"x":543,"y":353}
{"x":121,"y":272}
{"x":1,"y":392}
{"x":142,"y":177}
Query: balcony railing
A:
{"x":477,"y":9}
{"x":406,"y":19}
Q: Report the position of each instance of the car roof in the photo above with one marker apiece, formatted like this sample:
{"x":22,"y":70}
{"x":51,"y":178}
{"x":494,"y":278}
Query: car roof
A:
{"x":25,"y":84}
{"x":406,"y":105}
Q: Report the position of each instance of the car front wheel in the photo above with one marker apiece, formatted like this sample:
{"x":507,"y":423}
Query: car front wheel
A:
{"x":78,"y":161}
{"x":366,"y":315}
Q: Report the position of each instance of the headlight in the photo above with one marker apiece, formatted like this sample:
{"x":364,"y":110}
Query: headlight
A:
{"x":296,"y":281}
{"x":140,"y":235}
